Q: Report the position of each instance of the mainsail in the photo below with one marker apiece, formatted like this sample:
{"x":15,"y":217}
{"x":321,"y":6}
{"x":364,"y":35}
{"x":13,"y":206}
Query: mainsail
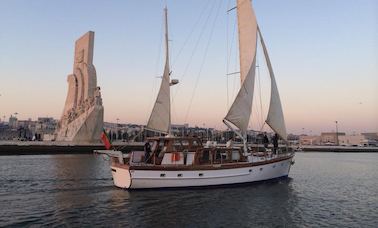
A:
{"x":275,"y":117}
{"x":160,"y":119}
{"x":240,"y":110}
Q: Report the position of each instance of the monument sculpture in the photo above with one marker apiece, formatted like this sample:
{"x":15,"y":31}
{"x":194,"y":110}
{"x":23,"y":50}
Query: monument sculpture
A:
{"x":83,"y":114}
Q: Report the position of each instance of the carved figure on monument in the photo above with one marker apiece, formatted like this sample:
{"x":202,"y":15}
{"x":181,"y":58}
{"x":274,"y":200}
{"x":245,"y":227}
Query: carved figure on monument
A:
{"x":83,"y":114}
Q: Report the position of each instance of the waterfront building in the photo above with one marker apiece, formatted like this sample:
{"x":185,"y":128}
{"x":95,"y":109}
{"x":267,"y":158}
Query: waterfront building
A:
{"x":330,"y":138}
{"x":12,"y":122}
{"x":309,"y":140}
{"x":371,"y":136}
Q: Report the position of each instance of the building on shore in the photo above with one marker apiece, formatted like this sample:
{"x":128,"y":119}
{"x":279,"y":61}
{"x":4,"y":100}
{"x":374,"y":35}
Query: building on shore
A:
{"x":309,"y":140}
{"x":330,"y":138}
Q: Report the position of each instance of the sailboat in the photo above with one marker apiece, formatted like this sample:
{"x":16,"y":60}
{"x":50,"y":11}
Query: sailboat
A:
{"x":183,"y":161}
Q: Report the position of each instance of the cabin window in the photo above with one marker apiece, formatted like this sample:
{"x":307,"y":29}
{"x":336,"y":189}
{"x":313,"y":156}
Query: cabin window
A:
{"x":261,"y":169}
{"x":200,"y":174}
{"x":179,"y":175}
{"x":177,"y":146}
{"x":185,"y":142}
{"x":250,"y":170}
{"x":162,"y":174}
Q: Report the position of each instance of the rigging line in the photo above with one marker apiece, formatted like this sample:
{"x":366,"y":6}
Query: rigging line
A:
{"x":154,"y":81}
{"x":229,"y":53}
{"x":257,"y":87}
{"x":237,"y":64}
{"x":203,"y":60}
{"x":185,"y":42}
{"x":194,"y":50}
{"x":190,"y":34}
{"x":260,"y":96}
{"x":227,"y":65}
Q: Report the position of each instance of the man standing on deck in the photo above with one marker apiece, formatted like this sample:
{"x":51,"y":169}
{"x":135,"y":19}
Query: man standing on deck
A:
{"x":265,"y":141}
{"x":147,"y":151}
{"x":275,"y":143}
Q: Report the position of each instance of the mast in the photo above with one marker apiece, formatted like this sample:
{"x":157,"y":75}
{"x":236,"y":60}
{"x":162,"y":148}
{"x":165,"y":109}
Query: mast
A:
{"x":240,"y":111}
{"x":160,"y":118}
{"x":167,"y":64}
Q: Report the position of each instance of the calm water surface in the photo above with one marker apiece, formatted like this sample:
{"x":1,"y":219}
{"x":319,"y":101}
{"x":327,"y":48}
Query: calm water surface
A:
{"x":324,"y":190}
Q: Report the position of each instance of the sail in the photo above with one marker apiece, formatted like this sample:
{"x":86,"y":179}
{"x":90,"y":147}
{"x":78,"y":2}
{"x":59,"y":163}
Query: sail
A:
{"x":160,"y":119}
{"x":247,"y":27}
{"x":240,"y":110}
{"x":275,"y":118}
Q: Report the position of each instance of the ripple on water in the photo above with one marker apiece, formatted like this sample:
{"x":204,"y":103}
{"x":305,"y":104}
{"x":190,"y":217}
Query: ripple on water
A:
{"x":324,"y":190}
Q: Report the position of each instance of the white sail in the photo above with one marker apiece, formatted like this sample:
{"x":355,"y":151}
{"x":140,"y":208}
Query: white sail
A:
{"x":247,"y":28}
{"x":275,"y":118}
{"x":160,"y":119}
{"x":240,"y":110}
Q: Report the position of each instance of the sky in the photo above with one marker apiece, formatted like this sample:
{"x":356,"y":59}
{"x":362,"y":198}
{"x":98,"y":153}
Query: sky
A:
{"x":324,"y":55}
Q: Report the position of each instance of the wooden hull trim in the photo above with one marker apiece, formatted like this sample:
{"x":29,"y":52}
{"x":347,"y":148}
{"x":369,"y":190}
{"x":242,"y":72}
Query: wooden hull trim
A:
{"x":204,"y":167}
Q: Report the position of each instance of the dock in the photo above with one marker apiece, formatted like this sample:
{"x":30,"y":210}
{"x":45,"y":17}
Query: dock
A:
{"x":43,"y":147}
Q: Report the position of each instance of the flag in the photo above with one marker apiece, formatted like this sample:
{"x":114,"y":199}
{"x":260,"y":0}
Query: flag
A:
{"x":105,"y":140}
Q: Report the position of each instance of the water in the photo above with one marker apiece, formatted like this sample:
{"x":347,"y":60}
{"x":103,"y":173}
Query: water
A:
{"x":324,"y":190}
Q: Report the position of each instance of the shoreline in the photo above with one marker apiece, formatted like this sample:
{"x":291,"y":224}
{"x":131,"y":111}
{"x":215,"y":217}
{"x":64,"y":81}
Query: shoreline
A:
{"x":50,"y":148}
{"x":43,"y":148}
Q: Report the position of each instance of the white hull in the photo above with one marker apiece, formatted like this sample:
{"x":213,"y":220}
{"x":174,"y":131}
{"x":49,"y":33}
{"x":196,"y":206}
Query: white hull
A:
{"x":137,"y":179}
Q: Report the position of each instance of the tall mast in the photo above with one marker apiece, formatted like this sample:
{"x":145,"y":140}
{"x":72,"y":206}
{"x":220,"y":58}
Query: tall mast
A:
{"x":167,"y":61}
{"x":160,"y":118}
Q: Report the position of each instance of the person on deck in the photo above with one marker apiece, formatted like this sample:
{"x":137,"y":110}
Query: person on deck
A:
{"x":265,"y":141}
{"x":275,"y":142}
{"x":147,"y":151}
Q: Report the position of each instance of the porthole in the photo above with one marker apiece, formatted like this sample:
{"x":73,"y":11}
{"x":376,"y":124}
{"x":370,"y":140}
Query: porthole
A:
{"x":162,"y":174}
{"x":261,"y":169}
{"x":274,"y":166}
{"x":250,"y":170}
{"x":179,"y":175}
{"x":200,"y":174}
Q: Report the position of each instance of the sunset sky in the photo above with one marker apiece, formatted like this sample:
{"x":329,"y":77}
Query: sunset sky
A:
{"x":324,"y":55}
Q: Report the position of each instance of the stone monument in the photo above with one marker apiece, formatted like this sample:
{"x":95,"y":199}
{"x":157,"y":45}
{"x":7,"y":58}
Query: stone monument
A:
{"x":83,"y":114}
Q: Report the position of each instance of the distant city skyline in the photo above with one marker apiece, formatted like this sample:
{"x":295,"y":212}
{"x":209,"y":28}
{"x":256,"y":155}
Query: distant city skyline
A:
{"x":324,"y":54}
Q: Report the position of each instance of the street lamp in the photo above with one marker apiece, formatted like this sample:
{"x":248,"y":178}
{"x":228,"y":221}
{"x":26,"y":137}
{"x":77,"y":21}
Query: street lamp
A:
{"x":337,"y":135}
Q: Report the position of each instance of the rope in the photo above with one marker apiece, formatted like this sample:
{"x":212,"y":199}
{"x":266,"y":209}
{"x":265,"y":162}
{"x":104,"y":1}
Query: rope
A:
{"x":154,"y":81}
{"x":203,"y":61}
{"x":229,"y":51}
{"x":193,"y":51}
{"x":190,"y":34}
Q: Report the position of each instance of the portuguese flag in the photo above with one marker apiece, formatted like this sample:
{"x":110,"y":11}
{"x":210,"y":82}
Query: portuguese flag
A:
{"x":105,"y":140}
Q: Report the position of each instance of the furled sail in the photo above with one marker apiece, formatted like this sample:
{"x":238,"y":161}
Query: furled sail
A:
{"x":160,"y":119}
{"x":275,"y":117}
{"x":240,"y":110}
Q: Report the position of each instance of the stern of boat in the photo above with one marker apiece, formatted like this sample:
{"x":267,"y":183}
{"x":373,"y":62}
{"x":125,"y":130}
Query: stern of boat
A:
{"x":121,"y":176}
